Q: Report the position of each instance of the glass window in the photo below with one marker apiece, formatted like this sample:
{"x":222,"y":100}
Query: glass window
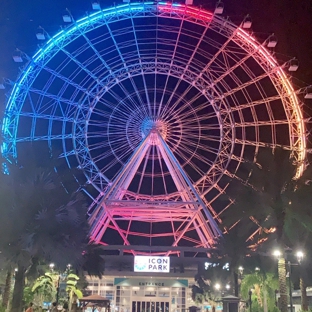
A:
{"x":109,"y":295}
{"x":157,"y":306}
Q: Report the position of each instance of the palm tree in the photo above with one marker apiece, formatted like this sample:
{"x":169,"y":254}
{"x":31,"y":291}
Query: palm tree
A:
{"x":264,"y":285}
{"x":40,"y":219}
{"x":274,"y":200}
{"x":290,"y":211}
{"x":237,"y":242}
{"x":304,"y":296}
{"x":93,"y":261}
{"x":7,"y":288}
{"x":234,"y":248}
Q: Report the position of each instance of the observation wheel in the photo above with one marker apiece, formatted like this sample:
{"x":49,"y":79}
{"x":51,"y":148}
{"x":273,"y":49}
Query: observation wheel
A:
{"x":158,"y":104}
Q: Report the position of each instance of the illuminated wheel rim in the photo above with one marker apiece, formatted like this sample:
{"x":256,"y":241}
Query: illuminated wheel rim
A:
{"x":211,"y":90}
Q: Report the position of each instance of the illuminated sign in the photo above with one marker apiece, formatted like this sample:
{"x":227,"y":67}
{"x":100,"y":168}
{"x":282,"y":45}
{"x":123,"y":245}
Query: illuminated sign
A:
{"x":151,"y":264}
{"x":208,"y":265}
{"x":150,"y":282}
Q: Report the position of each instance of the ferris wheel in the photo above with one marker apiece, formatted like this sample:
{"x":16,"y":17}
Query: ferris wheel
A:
{"x":158,"y":103}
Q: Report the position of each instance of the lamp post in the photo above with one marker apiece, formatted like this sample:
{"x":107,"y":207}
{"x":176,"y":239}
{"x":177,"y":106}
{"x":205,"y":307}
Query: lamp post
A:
{"x":240,"y":270}
{"x":289,"y":285}
{"x":52,"y":266}
{"x":299,"y":256}
{"x":250,"y":301}
{"x":275,"y":293}
{"x":219,"y":288}
{"x":238,"y":280}
{"x":59,"y":276}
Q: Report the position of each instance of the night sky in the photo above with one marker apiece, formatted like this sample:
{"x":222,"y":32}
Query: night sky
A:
{"x":290,"y":20}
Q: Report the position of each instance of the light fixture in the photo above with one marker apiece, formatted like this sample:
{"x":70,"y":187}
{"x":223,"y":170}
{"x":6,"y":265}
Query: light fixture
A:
{"x":51,"y":266}
{"x":277,"y":253}
{"x":299,"y":255}
{"x":217,"y":286}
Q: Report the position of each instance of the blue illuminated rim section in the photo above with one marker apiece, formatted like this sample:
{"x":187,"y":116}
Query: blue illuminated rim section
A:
{"x":53,"y":42}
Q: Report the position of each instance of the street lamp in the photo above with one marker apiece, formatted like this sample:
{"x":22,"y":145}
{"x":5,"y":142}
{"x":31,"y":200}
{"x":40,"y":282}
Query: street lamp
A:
{"x":238,"y":280}
{"x":277,"y":253}
{"x":299,"y":255}
{"x":217,"y":286}
{"x":241,"y":270}
{"x":59,"y":276}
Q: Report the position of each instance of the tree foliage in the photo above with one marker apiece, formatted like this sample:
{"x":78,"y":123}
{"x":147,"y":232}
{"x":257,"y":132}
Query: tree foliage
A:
{"x":41,"y":219}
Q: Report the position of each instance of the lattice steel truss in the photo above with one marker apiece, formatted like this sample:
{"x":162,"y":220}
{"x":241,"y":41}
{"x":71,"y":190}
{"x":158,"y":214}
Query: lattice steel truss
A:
{"x":157,"y":103}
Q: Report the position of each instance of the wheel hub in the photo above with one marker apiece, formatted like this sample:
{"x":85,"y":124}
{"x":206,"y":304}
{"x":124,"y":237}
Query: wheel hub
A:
{"x":153,"y":126}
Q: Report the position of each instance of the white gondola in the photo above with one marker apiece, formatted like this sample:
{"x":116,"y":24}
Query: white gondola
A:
{"x":17,"y":58}
{"x":96,"y":5}
{"x":40,"y":36}
{"x":247,"y":22}
{"x":219,"y":8}
{"x":2,"y":86}
{"x":293,"y":65}
{"x":189,"y":2}
{"x":67,"y":18}
{"x":308,"y":94}
{"x":272,"y":42}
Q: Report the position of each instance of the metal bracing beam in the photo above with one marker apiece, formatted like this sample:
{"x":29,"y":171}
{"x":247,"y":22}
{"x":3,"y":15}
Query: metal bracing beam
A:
{"x":179,"y":171}
{"x":114,"y":204}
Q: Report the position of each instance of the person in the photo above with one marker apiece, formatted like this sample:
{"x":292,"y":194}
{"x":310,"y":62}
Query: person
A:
{"x":30,"y":308}
{"x":54,"y":307}
{"x":65,"y":307}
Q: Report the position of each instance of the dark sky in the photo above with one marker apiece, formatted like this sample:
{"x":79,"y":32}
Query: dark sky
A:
{"x":290,"y":20}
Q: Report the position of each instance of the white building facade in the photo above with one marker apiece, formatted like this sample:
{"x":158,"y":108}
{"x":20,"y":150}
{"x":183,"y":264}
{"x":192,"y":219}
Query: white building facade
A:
{"x":144,"y":294}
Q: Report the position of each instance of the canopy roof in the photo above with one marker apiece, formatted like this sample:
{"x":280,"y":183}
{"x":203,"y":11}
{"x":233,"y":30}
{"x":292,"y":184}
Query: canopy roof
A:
{"x":94,"y":298}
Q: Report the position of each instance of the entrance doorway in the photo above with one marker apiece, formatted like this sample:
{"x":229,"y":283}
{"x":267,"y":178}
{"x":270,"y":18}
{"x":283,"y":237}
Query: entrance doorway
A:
{"x":150,"y":306}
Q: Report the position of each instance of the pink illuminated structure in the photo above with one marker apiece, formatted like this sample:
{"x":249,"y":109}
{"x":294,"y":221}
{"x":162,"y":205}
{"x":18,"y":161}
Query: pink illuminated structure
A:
{"x":159,"y":104}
